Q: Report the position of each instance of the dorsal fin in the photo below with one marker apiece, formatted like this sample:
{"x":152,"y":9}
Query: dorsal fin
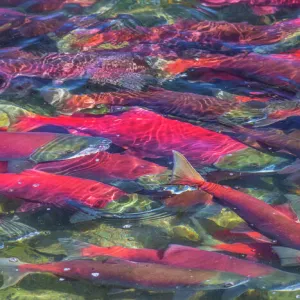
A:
{"x":287,"y":210}
{"x":288,"y":257}
{"x":183,"y":172}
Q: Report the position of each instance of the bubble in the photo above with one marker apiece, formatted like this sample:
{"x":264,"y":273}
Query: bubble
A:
{"x":95,"y":274}
{"x":97,"y":159}
{"x":10,"y":190}
{"x":36,"y":185}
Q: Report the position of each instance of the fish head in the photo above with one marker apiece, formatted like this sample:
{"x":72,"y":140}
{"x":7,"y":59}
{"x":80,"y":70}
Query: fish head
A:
{"x":251,"y":160}
{"x":69,"y":146}
{"x":225,"y":280}
{"x":10,"y":113}
{"x":277,"y":281}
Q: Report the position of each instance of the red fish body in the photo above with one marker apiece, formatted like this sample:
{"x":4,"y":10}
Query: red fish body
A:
{"x":39,"y":147}
{"x":147,"y":134}
{"x":174,"y":255}
{"x":270,"y":138}
{"x":186,"y":105}
{"x":267,"y":69}
{"x":103,"y":166}
{"x":107,"y":67}
{"x":260,"y":7}
{"x":45,"y":188}
{"x":109,"y":270}
{"x":211,"y":34}
{"x":38,"y":6}
{"x":261,"y":216}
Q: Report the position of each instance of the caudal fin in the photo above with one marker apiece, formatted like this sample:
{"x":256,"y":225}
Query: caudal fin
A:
{"x":72,"y":247}
{"x":10,"y":271}
{"x":288,"y":257}
{"x":183,"y":171}
{"x":14,"y":230}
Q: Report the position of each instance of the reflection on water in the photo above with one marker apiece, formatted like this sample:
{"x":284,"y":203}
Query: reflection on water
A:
{"x":149,"y":149}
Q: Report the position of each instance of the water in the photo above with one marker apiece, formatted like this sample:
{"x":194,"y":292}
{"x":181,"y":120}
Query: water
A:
{"x":95,"y":95}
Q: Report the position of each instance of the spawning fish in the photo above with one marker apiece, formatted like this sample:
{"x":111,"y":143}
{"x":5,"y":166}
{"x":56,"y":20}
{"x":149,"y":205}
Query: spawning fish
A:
{"x":102,"y":68}
{"x":205,"y":34}
{"x":264,"y":218}
{"x":38,"y":6}
{"x":183,"y":282}
{"x":43,"y":146}
{"x":174,"y":255}
{"x":51,"y":189}
{"x":263,"y":68}
{"x":152,"y":135}
{"x":259,"y":7}
{"x":183,"y":105}
{"x":103,"y":166}
{"x":269,"y":139}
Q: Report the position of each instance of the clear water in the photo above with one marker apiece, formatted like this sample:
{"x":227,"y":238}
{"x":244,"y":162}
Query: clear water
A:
{"x":109,"y":89}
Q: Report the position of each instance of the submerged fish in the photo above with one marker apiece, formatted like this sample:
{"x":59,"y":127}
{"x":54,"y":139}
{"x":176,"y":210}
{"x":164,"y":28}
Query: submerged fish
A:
{"x":260,"y":7}
{"x":262,"y":68}
{"x":37,"y":6}
{"x":174,"y":255}
{"x":103,"y":166}
{"x":273,"y":223}
{"x":152,"y":135}
{"x":43,"y":146}
{"x":103,"y":68}
{"x":50,"y":189}
{"x":183,"y":282}
{"x":184,"y":105}
{"x":268,"y":139}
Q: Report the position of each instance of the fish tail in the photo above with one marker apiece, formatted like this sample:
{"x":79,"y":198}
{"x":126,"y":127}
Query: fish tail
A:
{"x":73,"y":248}
{"x":15,"y":230}
{"x":56,"y":96}
{"x":288,"y":257}
{"x":11,"y":272}
{"x":183,"y":172}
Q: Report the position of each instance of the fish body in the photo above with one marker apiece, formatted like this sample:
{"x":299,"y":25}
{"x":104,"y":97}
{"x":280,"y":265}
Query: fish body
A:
{"x":263,"y":68}
{"x":45,"y":188}
{"x":174,"y":255}
{"x":270,"y":138}
{"x":264,"y":218}
{"x":39,"y":147}
{"x":259,"y":7}
{"x":106,"y":68}
{"x":185,"y":105}
{"x":103,"y":166}
{"x":205,"y":34}
{"x":151,"y":135}
{"x":40,"y":6}
{"x":112,"y":271}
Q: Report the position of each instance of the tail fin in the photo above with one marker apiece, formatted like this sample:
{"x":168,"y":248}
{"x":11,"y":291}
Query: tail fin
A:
{"x":288,"y":257}
{"x":14,"y":230}
{"x":10,"y":271}
{"x":56,"y":96}
{"x":183,"y":172}
{"x":73,"y":247}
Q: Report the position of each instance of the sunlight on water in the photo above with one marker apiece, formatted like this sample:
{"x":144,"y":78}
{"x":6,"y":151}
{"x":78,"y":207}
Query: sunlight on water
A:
{"x":149,"y":149}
